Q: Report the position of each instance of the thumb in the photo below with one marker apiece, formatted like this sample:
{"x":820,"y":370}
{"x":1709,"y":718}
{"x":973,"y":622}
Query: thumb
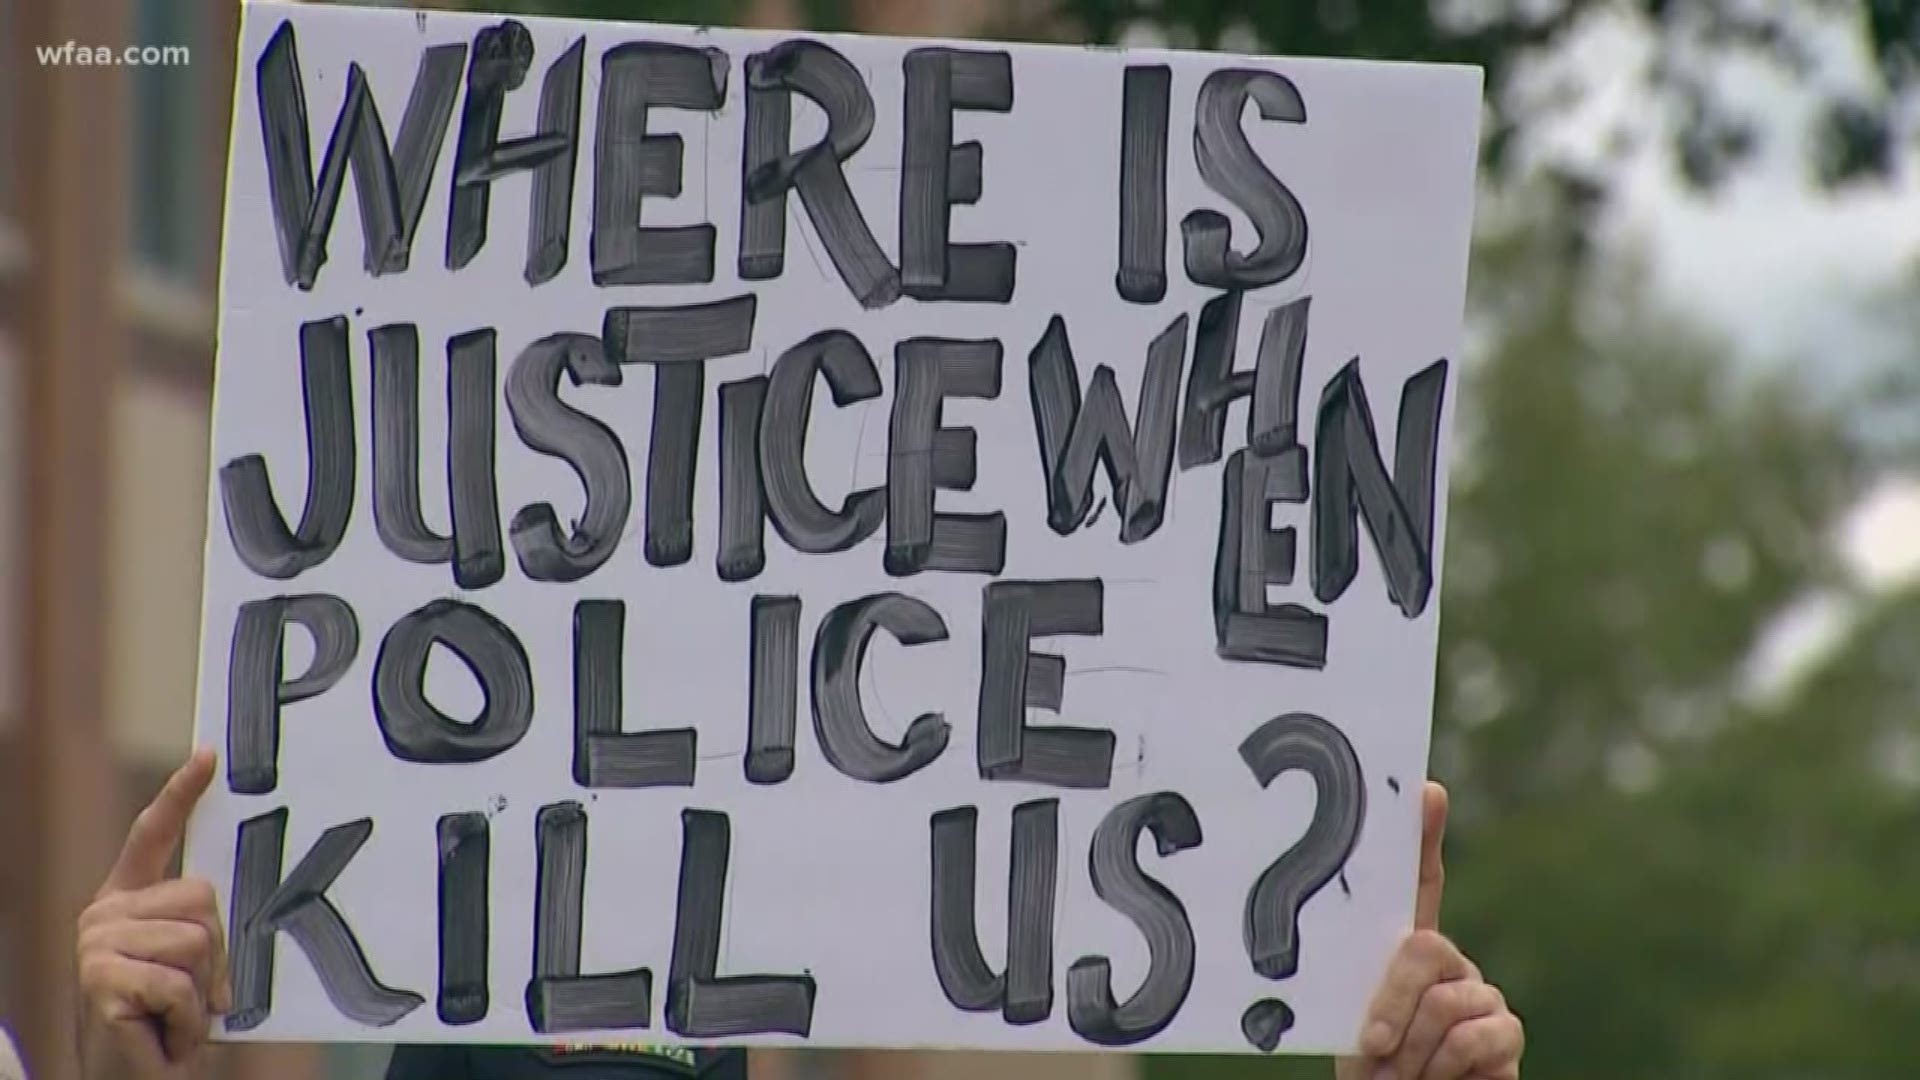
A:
{"x":1433,"y":870}
{"x":156,"y":834}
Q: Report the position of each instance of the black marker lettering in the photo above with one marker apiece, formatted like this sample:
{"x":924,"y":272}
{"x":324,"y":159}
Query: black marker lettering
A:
{"x":742,"y":551}
{"x":1014,"y":679}
{"x":839,"y":720}
{"x":1271,"y":927}
{"x":1074,"y":437}
{"x":475,"y":548}
{"x":1024,"y":991}
{"x":701,"y":1005}
{"x":767,"y":138}
{"x":394,"y":356}
{"x":264,"y":904}
{"x":391,"y":182}
{"x":604,"y":755}
{"x":631,"y":165}
{"x":414,"y":729}
{"x":679,"y":395}
{"x":1118,"y":880}
{"x":255,"y":525}
{"x":773,"y":688}
{"x":1230,"y":167}
{"x":936,"y":175}
{"x":550,"y":426}
{"x":923,"y":455}
{"x":1273,"y":386}
{"x":1142,"y":277}
{"x":677,"y":341}
{"x":502,"y":56}
{"x":769,"y":169}
{"x":559,"y":998}
{"x":1350,"y":479}
{"x":464,"y":919}
{"x":798,"y":515}
{"x":1253,"y":555}
{"x":257,"y":683}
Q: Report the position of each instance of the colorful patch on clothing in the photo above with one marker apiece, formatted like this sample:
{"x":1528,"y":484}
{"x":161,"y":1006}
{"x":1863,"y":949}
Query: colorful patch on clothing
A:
{"x":681,"y":1056}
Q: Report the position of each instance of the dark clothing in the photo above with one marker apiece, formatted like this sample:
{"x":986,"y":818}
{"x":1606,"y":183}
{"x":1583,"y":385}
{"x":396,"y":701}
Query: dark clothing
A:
{"x":630,"y":1062}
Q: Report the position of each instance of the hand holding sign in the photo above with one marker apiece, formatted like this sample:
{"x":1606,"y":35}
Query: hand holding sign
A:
{"x":152,"y":955}
{"x":1434,"y":1017}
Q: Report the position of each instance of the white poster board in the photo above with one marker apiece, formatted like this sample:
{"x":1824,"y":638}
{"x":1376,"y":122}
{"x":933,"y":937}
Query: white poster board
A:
{"x":764,"y":538}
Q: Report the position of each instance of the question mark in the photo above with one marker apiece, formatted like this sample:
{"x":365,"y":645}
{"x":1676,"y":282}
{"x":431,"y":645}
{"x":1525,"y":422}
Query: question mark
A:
{"x":1272,"y":927}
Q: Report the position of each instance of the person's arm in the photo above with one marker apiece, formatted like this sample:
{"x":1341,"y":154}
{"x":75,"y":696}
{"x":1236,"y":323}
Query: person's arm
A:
{"x":151,"y":952}
{"x":1435,"y":1017}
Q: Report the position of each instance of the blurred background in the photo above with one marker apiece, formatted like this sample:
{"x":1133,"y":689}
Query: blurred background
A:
{"x":1680,"y":678}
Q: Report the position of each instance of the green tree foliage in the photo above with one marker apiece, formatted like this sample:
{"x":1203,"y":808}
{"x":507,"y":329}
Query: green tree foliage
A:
{"x":1859,"y":130}
{"x":1630,"y":520}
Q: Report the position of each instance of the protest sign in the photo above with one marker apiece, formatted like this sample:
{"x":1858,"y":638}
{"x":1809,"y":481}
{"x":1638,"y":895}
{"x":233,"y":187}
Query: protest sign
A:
{"x":775,"y":538}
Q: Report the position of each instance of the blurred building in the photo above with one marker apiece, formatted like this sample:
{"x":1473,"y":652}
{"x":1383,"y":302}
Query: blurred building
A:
{"x":110,"y":203}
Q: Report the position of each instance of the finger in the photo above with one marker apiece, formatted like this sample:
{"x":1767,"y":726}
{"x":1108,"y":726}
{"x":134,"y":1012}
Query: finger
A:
{"x":188,"y":900}
{"x":137,"y":996}
{"x":1433,"y":870}
{"x":1444,"y":1006}
{"x":1488,"y":1046}
{"x":169,"y":942}
{"x":137,"y":1041}
{"x":158,"y":830}
{"x":1424,"y":958}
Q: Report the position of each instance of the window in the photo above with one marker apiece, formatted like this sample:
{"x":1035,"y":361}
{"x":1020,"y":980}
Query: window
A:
{"x":169,"y":173}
